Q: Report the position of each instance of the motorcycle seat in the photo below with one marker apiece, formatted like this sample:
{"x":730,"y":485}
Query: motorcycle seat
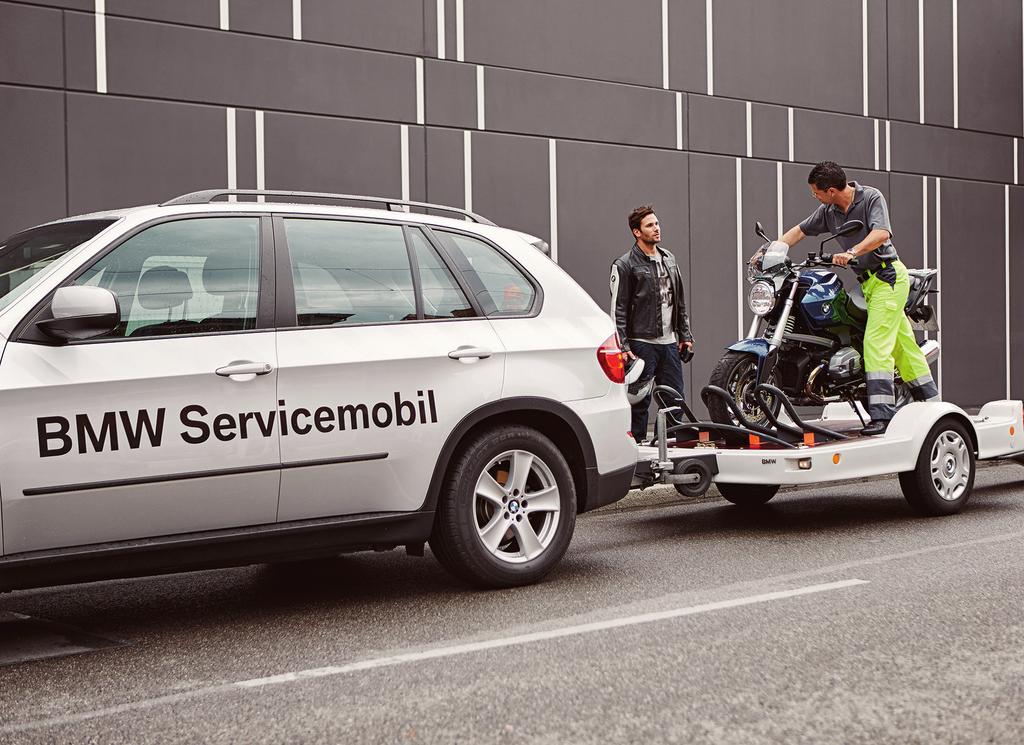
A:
{"x":857,"y":306}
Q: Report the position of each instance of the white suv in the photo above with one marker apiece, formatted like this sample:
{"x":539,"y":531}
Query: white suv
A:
{"x":206,"y":382}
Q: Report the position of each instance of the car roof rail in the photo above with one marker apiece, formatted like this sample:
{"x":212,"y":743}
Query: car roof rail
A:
{"x":208,"y":195}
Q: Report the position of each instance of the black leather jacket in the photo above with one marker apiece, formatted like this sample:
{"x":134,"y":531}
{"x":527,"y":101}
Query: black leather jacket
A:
{"x":636,"y":301}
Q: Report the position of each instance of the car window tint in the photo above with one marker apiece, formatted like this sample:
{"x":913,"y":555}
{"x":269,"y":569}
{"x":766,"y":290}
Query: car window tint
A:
{"x":349,"y":272}
{"x":442,"y":297}
{"x":184,"y":277}
{"x":500,"y":287}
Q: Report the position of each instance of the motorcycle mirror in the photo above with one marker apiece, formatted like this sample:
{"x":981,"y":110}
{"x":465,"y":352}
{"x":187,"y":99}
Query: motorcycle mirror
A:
{"x":849,"y":227}
{"x":759,"y":230}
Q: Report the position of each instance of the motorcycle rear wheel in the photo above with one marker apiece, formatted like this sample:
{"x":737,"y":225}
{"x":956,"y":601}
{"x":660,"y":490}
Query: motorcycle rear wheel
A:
{"x":736,"y":372}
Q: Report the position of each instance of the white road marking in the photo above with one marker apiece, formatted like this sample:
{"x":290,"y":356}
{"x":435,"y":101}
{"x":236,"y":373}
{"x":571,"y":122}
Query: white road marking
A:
{"x":430,"y":654}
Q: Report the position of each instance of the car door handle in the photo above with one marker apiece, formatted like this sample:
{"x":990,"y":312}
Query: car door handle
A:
{"x":244,"y":368}
{"x":467,"y":353}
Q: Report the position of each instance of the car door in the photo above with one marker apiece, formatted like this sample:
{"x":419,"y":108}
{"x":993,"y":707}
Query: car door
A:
{"x":386,"y":355}
{"x":154,"y":429}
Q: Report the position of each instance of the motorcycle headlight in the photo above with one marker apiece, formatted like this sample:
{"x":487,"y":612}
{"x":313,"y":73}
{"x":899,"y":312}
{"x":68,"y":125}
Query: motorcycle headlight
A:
{"x":761,"y":298}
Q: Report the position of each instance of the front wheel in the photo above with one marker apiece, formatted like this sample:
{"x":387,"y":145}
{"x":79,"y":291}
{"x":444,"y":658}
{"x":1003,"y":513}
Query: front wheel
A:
{"x":748,"y":495}
{"x":736,"y":373}
{"x":943,"y":480}
{"x":507,"y":509}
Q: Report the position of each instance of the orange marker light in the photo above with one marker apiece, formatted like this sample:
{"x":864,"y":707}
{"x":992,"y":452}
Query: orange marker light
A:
{"x":808,"y":438}
{"x":1011,"y":431}
{"x":704,"y":436}
{"x":755,"y":441}
{"x":835,"y":459}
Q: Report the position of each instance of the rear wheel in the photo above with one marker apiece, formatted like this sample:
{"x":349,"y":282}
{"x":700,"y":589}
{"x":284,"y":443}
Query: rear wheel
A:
{"x":943,"y":480}
{"x":748,"y":495}
{"x":507,"y":509}
{"x":736,"y":373}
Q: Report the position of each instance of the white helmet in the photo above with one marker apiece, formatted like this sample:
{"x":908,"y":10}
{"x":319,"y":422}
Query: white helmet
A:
{"x":636,"y":389}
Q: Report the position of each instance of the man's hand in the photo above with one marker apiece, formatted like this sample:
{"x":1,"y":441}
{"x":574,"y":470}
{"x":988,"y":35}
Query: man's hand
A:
{"x":629,"y":355}
{"x":843,"y":258}
{"x":687,"y":344}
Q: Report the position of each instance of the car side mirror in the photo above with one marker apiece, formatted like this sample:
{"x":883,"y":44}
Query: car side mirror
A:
{"x":81,"y":312}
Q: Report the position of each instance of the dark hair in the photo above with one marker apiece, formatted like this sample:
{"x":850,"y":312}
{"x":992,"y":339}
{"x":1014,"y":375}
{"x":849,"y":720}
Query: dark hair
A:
{"x":826,"y":175}
{"x":638,"y":214}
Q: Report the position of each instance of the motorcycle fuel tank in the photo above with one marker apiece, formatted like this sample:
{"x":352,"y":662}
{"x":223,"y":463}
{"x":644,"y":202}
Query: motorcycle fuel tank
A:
{"x":824,"y":301}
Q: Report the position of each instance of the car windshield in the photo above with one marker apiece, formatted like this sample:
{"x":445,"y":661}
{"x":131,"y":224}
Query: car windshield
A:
{"x":27,"y":257}
{"x":774,"y":255}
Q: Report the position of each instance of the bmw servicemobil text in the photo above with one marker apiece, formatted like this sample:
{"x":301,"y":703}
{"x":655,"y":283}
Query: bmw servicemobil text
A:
{"x":59,"y":435}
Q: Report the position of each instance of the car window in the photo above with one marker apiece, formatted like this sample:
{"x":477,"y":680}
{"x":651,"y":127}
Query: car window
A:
{"x":349,"y":272}
{"x":499,"y":286}
{"x":442,"y":297}
{"x":184,"y":277}
{"x":28,"y":256}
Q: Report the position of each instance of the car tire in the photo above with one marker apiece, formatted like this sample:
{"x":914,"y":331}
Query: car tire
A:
{"x":943,"y":479}
{"x":486,"y":530}
{"x":748,"y":495}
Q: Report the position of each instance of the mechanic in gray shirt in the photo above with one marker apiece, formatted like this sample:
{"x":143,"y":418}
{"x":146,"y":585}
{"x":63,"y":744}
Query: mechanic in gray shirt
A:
{"x":888,"y":338}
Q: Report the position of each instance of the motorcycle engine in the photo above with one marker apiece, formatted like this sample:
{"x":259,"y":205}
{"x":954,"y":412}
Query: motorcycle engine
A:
{"x":845,"y":365}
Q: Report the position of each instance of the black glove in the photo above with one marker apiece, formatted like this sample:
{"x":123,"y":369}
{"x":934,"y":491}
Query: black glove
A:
{"x":686,"y":354}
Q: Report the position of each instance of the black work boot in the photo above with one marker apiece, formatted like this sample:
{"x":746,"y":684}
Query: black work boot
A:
{"x":875,"y":427}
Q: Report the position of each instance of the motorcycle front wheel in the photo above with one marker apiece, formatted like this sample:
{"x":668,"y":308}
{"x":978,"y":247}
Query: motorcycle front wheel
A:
{"x":736,"y":372}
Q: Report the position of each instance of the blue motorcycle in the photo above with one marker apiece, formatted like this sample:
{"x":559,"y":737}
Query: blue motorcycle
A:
{"x":807,"y":336}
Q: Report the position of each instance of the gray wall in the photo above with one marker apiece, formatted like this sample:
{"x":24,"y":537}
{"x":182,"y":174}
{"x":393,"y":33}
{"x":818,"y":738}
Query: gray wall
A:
{"x":578,"y":110}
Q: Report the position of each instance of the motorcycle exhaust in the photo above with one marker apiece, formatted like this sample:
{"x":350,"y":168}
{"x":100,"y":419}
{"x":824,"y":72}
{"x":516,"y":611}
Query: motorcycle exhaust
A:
{"x":931,"y":350}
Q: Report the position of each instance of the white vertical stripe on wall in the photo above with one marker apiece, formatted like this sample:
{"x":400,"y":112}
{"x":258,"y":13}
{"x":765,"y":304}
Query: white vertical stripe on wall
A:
{"x":404,"y":137}
{"x":553,"y":196}
{"x":261,"y":170}
{"x":938,"y":267}
{"x":750,"y":135}
{"x":664,"y":44}
{"x":956,"y":67}
{"x":479,"y":96}
{"x":460,"y":32}
{"x":225,"y":14}
{"x":440,"y":28}
{"x":467,"y":168}
{"x":920,"y":60}
{"x":1015,"y":166}
{"x":924,"y":227}
{"x":296,"y":19}
{"x":419,"y":91}
{"x":790,"y":134}
{"x":710,"y":35}
{"x":888,"y":146}
{"x":876,"y":144}
{"x":778,"y":196}
{"x":740,"y":273}
{"x":232,"y":150}
{"x":679,"y":120}
{"x":864,"y":50}
{"x":1006,"y":212}
{"x":101,"y":46}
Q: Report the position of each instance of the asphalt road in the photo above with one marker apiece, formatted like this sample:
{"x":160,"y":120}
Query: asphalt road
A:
{"x":831,"y":615}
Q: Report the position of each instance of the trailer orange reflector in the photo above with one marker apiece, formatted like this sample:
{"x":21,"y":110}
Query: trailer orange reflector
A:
{"x":835,"y":459}
{"x":808,"y":438}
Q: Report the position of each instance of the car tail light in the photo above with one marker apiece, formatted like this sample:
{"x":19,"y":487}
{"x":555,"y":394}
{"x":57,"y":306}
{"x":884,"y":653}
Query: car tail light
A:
{"x":612,"y":360}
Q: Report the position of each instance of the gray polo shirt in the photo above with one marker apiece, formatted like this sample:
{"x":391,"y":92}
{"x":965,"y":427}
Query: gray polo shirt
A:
{"x":869,"y":207}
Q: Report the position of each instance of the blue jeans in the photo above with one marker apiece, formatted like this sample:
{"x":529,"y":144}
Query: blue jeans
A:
{"x":661,"y":361}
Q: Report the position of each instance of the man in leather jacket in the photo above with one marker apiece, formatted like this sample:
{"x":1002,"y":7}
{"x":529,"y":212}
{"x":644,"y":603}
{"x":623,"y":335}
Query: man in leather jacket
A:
{"x":649,"y":310}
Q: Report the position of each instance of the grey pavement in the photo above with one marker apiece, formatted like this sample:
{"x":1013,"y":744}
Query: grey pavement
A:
{"x":910,"y":631}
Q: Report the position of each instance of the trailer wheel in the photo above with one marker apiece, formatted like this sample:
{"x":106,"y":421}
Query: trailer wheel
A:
{"x":748,"y":495}
{"x":943,"y":480}
{"x":507,"y":509}
{"x":698,"y":467}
